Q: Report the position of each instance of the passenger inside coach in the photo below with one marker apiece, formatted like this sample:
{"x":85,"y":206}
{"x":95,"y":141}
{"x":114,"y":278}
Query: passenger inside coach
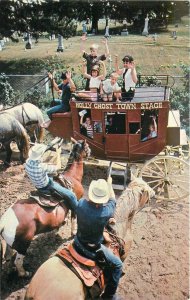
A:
{"x":86,"y":127}
{"x":149,"y":121}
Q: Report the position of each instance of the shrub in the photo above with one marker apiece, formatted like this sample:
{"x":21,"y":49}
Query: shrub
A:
{"x":6,"y":91}
{"x":180,"y":98}
{"x":37,"y":97}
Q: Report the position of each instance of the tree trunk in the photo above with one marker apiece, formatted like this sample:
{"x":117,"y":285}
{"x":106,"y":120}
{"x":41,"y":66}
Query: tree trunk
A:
{"x":94,"y":25}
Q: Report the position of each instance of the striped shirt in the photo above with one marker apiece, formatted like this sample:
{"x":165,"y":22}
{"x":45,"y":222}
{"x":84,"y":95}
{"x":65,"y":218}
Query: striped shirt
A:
{"x":89,"y":130}
{"x":38,"y":172}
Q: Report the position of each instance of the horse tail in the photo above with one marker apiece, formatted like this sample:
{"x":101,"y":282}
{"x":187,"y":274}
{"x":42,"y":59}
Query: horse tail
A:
{"x":24,"y":144}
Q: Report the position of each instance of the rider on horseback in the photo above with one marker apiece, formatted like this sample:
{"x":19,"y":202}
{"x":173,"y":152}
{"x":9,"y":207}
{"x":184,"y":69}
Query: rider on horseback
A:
{"x":38,"y":171}
{"x":92,"y":216}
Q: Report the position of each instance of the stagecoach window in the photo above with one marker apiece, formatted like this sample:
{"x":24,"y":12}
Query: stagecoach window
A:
{"x":149,"y":124}
{"x":86,"y":124}
{"x":115,"y":123}
{"x":134,"y":128}
{"x":98,"y":127}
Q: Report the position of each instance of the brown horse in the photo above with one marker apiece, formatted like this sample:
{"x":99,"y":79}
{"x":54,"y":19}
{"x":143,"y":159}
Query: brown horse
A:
{"x":54,"y":280}
{"x":26,"y":218}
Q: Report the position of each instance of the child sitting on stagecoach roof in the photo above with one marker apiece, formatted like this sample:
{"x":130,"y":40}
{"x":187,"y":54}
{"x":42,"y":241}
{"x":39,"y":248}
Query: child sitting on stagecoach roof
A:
{"x":95,"y":81}
{"x":38,"y":173}
{"x":129,"y":75}
{"x":93,"y":58}
{"x":65,"y":88}
{"x":110,"y":89}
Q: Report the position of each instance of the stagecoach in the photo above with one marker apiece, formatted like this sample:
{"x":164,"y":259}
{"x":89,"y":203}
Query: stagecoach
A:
{"x":121,"y":133}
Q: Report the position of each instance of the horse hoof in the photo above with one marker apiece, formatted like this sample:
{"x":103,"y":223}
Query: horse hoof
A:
{"x":6,"y":164}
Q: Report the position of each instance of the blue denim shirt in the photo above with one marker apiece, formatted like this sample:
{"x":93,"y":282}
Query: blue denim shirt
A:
{"x":92,"y":219}
{"x":66,"y":95}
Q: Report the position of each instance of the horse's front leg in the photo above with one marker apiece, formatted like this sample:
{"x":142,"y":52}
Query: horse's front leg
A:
{"x":8,"y":155}
{"x":19,"y":266}
{"x":73,"y":224}
{"x":21,"y":149}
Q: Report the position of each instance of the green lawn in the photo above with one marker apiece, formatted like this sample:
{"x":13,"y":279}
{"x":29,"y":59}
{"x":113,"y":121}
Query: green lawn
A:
{"x":148,"y":55}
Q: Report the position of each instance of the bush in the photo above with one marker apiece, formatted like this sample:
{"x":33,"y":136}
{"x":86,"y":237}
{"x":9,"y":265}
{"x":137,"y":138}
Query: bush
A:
{"x":6,"y":91}
{"x":180,"y":98}
{"x":37,"y":97}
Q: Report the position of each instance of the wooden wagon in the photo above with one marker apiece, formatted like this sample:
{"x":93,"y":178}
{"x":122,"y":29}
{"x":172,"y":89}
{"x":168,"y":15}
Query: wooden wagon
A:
{"x":121,"y":133}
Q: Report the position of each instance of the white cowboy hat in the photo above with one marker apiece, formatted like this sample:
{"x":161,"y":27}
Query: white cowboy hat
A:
{"x":37,"y":151}
{"x":99,"y":191}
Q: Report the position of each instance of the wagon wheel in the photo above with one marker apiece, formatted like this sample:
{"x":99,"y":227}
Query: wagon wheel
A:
{"x":168,"y":176}
{"x":178,"y":151}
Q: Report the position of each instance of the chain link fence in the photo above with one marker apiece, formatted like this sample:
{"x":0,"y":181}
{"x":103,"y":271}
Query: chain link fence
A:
{"x":24,"y":84}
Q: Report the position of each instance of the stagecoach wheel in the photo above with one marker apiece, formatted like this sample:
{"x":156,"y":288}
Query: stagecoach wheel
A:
{"x":168,"y":176}
{"x":182,"y":152}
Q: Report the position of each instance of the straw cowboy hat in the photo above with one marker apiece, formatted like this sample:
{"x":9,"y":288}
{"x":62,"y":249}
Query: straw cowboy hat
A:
{"x":99,"y":191}
{"x":37,"y":151}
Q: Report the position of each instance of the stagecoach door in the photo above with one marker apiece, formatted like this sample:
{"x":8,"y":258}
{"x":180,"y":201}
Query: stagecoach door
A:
{"x":115,"y":135}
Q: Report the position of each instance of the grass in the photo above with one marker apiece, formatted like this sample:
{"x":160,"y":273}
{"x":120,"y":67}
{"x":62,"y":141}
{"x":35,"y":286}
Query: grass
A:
{"x":149,"y":55}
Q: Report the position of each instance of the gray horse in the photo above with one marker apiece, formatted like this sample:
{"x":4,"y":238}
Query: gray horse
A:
{"x":12,"y":130}
{"x":30,"y":116}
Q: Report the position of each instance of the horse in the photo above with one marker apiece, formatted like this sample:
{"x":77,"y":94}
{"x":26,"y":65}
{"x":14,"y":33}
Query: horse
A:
{"x":26,"y":218}
{"x":54,"y":280}
{"x":30,"y":116}
{"x":12,"y":130}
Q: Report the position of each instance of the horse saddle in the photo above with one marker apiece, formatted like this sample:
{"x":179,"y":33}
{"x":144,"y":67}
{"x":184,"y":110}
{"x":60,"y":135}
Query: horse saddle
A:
{"x":47,"y":200}
{"x":64,"y":181}
{"x":85,"y":268}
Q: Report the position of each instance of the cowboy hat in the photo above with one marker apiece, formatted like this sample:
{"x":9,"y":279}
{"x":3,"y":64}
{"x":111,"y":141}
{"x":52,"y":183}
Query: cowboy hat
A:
{"x":99,"y":191}
{"x":37,"y":151}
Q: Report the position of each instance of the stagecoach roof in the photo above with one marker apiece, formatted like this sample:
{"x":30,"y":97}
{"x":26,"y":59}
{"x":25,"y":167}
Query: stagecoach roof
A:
{"x":151,"y":94}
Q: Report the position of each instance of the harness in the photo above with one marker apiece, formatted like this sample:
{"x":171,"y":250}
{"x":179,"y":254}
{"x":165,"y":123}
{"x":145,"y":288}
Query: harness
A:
{"x":24,"y":111}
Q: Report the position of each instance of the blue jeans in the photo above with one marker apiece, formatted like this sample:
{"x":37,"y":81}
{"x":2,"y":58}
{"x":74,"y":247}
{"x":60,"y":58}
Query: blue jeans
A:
{"x":112,"y":270}
{"x":59,"y":107}
{"x":68,"y":195}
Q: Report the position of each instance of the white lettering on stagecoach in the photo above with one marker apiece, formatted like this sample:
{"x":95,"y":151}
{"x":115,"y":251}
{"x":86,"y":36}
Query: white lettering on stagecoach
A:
{"x":103,"y":105}
{"x":84,"y":105}
{"x":151,"y":105}
{"x":126,"y":105}
{"x":123,"y":106}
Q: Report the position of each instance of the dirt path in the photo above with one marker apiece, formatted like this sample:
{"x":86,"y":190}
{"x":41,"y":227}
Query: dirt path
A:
{"x":157,"y":267}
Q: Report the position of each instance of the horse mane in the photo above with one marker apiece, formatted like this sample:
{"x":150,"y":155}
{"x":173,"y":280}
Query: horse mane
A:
{"x":129,"y":199}
{"x":74,"y":155}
